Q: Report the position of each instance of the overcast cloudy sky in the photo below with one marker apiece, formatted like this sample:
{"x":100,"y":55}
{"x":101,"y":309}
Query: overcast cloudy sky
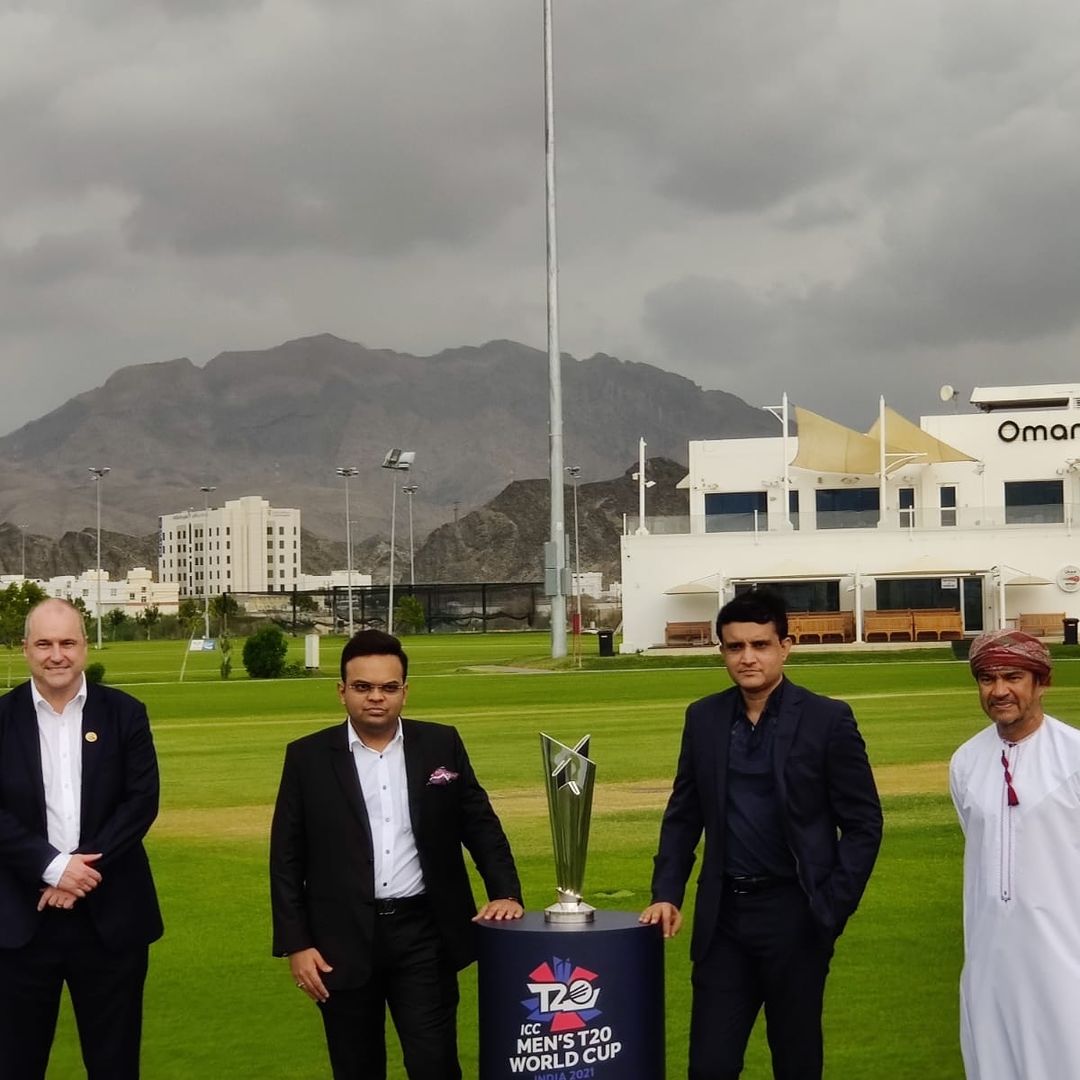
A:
{"x":834,"y":197}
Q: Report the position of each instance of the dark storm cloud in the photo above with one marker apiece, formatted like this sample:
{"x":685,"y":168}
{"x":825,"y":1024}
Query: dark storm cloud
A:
{"x":832,"y":197}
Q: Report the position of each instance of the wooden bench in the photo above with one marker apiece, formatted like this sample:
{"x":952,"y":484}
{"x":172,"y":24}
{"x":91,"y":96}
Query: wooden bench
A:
{"x":1041,"y":624}
{"x":888,"y":625}
{"x":821,"y":626}
{"x":688,"y":633}
{"x":937,"y":624}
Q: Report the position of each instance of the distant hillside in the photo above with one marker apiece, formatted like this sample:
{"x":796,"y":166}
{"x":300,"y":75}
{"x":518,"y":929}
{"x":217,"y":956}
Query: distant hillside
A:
{"x":503,"y":541}
{"x":276,"y":422}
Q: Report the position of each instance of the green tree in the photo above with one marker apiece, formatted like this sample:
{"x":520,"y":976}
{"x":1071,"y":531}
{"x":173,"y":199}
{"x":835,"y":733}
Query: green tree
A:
{"x":225,"y":644}
{"x":114,"y":619}
{"x":79,"y":604}
{"x":224,"y":607}
{"x":188,"y":611}
{"x":264,"y":653}
{"x":148,"y":618}
{"x":15,"y":603}
{"x":409,"y":616}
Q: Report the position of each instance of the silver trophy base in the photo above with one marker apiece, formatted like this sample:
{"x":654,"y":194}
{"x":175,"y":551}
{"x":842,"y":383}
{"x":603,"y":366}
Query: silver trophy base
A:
{"x":579,"y":912}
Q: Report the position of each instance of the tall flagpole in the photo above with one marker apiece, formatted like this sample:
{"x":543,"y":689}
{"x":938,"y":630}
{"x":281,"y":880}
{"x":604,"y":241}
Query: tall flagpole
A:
{"x":555,"y":549}
{"x":883,"y":491}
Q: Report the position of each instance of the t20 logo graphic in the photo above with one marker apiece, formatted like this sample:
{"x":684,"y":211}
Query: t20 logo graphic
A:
{"x":566,"y":995}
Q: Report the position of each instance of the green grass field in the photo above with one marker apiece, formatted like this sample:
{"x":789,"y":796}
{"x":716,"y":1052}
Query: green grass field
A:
{"x":219,"y":1006}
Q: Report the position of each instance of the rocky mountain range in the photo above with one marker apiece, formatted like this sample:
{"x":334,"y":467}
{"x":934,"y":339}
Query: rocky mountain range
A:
{"x":277,"y":422}
{"x":500,"y":541}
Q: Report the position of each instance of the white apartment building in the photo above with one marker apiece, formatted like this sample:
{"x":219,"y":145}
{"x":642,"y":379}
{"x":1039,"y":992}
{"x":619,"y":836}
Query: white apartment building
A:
{"x":133,"y":594}
{"x":244,"y":546}
{"x":972,"y":511}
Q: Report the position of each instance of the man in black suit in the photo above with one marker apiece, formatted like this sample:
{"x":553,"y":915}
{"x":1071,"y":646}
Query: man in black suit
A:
{"x":78,"y":792}
{"x":778,"y":780}
{"x":369,"y":892}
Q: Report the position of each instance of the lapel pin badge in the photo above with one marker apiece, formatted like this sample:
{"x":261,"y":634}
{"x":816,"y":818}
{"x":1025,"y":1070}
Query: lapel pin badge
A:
{"x":90,"y":736}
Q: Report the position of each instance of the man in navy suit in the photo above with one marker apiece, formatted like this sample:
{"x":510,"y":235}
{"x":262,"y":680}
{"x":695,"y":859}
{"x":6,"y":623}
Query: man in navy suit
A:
{"x":78,"y":792}
{"x":369,"y":893}
{"x":778,"y":780}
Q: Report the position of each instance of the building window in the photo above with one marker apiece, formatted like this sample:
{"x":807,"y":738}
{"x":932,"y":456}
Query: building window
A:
{"x":847,"y":508}
{"x":906,"y":496}
{"x":793,"y":507}
{"x":1034,"y":502}
{"x":947,"y":502}
{"x":800,"y":595}
{"x":281,"y":530}
{"x":931,"y":593}
{"x":736,"y":511}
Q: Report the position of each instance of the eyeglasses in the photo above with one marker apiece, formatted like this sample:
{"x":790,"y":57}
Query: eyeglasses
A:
{"x":366,"y":688}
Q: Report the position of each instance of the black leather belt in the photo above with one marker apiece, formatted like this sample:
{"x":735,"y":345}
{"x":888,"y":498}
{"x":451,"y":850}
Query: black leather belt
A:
{"x":747,"y":885}
{"x":399,"y":905}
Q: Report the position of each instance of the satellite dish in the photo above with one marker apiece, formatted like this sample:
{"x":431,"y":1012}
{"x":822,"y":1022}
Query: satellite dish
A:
{"x":946,"y":393}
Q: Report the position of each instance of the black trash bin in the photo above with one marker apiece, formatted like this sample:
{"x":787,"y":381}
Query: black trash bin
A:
{"x":606,"y":640}
{"x":1070,"y":626}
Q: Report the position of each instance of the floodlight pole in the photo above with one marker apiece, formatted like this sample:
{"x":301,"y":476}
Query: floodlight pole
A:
{"x":555,"y":561}
{"x":206,"y":489}
{"x":642,"y":529}
{"x":575,"y":475}
{"x":411,"y":490}
{"x":345,"y":471}
{"x":393,"y":522}
{"x":400,"y":460}
{"x":99,"y":474}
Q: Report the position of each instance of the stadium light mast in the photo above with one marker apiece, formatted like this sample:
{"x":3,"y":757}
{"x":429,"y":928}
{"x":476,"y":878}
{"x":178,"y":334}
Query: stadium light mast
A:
{"x":346,"y":471}
{"x":400,"y":460}
{"x":575,"y":475}
{"x":411,"y":490}
{"x":206,"y":489}
{"x":99,"y":474}
{"x":555,"y":548}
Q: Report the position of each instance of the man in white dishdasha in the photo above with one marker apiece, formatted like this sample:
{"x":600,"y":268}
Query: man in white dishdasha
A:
{"x":1016,"y":787}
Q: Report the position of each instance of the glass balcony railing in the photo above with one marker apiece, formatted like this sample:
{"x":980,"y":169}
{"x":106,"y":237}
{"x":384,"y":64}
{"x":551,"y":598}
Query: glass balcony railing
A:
{"x":916,"y":519}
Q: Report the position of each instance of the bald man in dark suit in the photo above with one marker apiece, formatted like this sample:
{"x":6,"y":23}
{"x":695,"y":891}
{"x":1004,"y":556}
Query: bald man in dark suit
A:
{"x":78,"y":792}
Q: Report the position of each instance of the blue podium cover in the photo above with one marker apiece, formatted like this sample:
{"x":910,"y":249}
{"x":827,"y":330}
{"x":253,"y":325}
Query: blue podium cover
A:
{"x":571,"y":1002}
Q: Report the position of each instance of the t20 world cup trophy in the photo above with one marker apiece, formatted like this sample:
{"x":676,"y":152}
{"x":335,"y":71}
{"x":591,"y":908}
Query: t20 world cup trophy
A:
{"x":569,"y":777}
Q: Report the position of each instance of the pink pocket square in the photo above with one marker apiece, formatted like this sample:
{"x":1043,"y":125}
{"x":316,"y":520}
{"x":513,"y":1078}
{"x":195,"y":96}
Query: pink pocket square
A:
{"x":442,"y":775}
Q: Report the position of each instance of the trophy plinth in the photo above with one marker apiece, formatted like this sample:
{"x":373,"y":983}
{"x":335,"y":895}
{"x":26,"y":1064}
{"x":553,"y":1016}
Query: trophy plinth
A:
{"x":569,"y":911}
{"x":569,"y":778}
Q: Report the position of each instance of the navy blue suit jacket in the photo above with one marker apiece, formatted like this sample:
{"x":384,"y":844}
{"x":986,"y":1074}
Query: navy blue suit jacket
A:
{"x":829,"y":806}
{"x":322,"y":884}
{"x":119,"y":804}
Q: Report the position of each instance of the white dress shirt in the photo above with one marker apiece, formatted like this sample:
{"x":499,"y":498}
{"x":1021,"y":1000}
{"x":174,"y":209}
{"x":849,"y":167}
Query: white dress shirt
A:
{"x":386,"y":796}
{"x":60,"y":736}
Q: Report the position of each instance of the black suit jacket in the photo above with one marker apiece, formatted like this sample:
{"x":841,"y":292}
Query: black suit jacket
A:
{"x":322,"y":884}
{"x":829,"y":805}
{"x":119,"y":804}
